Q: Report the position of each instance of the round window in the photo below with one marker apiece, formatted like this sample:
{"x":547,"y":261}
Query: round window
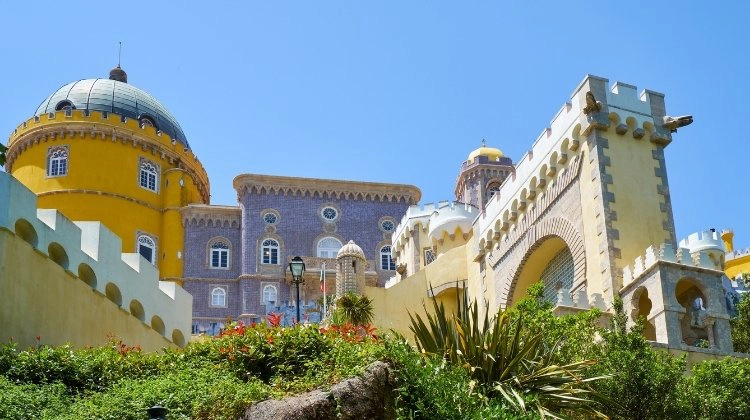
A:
{"x":270,"y":218}
{"x":329,"y":213}
{"x":387,"y":225}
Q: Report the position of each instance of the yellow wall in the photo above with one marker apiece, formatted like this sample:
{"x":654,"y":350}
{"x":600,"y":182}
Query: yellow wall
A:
{"x":639,"y":220}
{"x":390,"y":305}
{"x":41,"y":299}
{"x":737,"y":266}
{"x":102,"y":182}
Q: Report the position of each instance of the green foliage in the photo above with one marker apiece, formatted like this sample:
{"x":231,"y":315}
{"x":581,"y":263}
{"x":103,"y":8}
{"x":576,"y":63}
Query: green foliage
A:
{"x":207,"y":393}
{"x":644,"y":382}
{"x":506,"y":358}
{"x":27,"y":401}
{"x":3,"y":151}
{"x":718,"y":390}
{"x":741,"y":326}
{"x":431,"y":388}
{"x":355,"y":309}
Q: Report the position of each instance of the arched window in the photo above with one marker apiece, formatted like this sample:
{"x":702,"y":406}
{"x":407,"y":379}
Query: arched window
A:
{"x":149,"y":175}
{"x":57,"y":161}
{"x":219,"y":297}
{"x":270,"y":251}
{"x":219,"y":254}
{"x":558,"y":274}
{"x":386,"y":261}
{"x":328,"y":247}
{"x":270,"y":294}
{"x":64,"y":106}
{"x":147,"y":248}
{"x":492,"y":189}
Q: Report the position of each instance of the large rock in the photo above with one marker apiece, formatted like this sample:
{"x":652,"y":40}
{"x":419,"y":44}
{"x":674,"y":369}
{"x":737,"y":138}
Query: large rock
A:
{"x":366,"y":397}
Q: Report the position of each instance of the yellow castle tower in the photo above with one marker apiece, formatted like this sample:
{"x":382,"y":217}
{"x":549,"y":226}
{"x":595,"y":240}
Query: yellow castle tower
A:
{"x":104,"y":150}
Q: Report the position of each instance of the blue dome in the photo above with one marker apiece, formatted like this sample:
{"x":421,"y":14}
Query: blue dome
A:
{"x":116,"y":97}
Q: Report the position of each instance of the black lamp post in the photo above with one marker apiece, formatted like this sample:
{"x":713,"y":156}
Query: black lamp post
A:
{"x":297,"y":267}
{"x":157,"y":412}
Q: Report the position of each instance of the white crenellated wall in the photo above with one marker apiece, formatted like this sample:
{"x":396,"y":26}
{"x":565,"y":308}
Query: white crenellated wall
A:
{"x":666,"y":252}
{"x":554,"y":149}
{"x":128,"y":280}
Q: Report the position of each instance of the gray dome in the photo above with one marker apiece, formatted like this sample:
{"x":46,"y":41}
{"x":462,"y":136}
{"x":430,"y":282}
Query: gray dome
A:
{"x":116,"y":97}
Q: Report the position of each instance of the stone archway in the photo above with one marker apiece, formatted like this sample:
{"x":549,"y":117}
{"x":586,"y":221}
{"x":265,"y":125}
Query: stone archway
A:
{"x":549,"y":236}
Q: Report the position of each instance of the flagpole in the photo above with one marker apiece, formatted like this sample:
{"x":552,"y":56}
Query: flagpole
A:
{"x":323,"y":279}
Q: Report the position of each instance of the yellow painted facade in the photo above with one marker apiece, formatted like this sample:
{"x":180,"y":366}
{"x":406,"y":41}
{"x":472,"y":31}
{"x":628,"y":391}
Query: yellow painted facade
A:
{"x":102,"y":181}
{"x":43,"y":299}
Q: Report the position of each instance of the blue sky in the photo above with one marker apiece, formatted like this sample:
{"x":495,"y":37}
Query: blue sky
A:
{"x":399,"y":91}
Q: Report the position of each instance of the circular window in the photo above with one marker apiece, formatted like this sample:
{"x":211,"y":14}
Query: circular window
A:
{"x":329,"y":213}
{"x":387,"y":225}
{"x":270,"y":218}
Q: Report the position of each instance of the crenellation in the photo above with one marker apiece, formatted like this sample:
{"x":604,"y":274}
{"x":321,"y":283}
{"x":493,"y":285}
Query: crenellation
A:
{"x":92,"y":245}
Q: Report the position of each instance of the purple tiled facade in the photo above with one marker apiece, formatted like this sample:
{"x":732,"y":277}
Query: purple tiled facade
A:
{"x":298,"y":228}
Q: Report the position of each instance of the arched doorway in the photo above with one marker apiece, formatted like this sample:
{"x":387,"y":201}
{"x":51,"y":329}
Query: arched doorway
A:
{"x":550,"y":262}
{"x":695,"y":301}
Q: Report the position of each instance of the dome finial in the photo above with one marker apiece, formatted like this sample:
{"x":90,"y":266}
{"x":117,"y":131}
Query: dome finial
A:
{"x":118,"y":73}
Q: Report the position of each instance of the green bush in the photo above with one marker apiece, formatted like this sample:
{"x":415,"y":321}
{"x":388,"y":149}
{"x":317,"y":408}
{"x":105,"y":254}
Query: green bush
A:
{"x":506,"y":358}
{"x":431,"y":388}
{"x":718,"y":389}
{"x":27,"y":401}
{"x":207,"y":393}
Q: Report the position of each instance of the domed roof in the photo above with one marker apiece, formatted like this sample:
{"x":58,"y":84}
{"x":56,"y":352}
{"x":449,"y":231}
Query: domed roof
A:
{"x":351,"y":250}
{"x":490,"y":152}
{"x":116,"y":97}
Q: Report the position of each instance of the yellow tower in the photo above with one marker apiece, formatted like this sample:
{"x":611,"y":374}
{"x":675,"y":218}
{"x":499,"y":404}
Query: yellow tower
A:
{"x":104,"y":150}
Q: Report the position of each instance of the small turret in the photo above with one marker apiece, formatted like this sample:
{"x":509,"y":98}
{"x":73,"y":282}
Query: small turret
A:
{"x":727,"y":236}
{"x":350,"y":273}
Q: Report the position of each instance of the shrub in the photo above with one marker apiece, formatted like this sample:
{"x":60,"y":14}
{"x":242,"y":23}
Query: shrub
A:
{"x":355,"y":309}
{"x":27,"y":401}
{"x":505,"y":358}
{"x":718,"y":389}
{"x":741,"y":326}
{"x":431,"y":388}
{"x":207,"y":393}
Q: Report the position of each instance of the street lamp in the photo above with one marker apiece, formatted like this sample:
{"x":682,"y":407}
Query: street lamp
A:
{"x":297,"y":267}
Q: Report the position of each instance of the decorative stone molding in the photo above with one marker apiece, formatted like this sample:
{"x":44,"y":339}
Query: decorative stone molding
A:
{"x":211,"y":216}
{"x":325,"y":188}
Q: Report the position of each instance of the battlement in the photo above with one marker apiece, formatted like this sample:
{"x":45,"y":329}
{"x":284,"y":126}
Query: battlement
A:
{"x":667,"y":253}
{"x":420,"y":214}
{"x":700,"y":241}
{"x":554,"y":149}
{"x":737,"y":253}
{"x":88,"y":251}
{"x":100,"y":124}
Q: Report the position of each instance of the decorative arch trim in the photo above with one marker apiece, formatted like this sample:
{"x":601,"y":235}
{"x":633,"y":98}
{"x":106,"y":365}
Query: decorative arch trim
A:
{"x":535,"y":236}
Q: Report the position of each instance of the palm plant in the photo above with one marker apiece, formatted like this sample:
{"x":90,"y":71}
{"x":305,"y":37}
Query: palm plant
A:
{"x":3,"y":150}
{"x":354,"y":308}
{"x":502,"y":355}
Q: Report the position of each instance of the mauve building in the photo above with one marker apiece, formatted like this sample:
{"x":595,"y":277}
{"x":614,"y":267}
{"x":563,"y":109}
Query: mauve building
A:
{"x":236,"y":257}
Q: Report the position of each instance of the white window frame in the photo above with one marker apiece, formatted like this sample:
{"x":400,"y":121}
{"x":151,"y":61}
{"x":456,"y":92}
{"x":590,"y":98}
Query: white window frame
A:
{"x":265,"y":295}
{"x":148,"y":175}
{"x":57,"y":161}
{"x":386,"y":259}
{"x":221,"y":249}
{"x":269,"y":252}
{"x":323,"y":251}
{"x":146,"y":241}
{"x":217,"y":298}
